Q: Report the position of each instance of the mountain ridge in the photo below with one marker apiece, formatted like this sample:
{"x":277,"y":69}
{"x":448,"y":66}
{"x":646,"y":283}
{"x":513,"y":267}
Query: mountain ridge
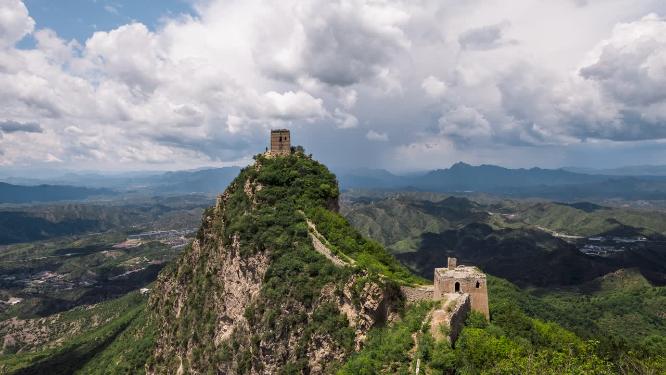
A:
{"x":10,"y":193}
{"x":251,"y":294}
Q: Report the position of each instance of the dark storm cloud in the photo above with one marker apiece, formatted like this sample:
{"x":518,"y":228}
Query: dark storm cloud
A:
{"x":221,"y":147}
{"x":10,"y":126}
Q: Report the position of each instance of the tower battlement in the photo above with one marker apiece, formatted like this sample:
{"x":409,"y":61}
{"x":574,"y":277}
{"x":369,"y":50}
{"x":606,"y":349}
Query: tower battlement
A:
{"x":280,"y":142}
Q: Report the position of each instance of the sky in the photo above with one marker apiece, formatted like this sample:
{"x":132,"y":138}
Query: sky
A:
{"x":403,"y":85}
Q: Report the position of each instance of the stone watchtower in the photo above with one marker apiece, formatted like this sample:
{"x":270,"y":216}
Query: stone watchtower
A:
{"x":280,"y":142}
{"x":464,"y":280}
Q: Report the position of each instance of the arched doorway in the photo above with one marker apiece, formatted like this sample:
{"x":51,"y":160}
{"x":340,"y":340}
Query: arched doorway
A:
{"x":457,"y":287}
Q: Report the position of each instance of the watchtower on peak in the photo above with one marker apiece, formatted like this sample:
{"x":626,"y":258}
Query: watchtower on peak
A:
{"x":280,"y":142}
{"x":463,"y":279}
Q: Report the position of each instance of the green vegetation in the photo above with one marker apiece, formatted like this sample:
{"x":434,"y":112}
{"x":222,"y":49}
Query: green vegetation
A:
{"x":622,"y":311}
{"x":590,"y":220}
{"x":260,"y":235}
{"x":264,"y":213}
{"x":388,"y":349}
{"x":128,"y":353}
{"x":515,"y":342}
{"x":67,"y":350}
{"x":392,"y":221}
{"x":290,"y":185}
{"x":368,"y":254}
{"x":622,"y":307}
{"x":399,"y":221}
{"x":25,"y":223}
{"x":57,"y":275}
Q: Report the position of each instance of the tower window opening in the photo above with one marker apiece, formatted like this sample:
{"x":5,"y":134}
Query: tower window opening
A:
{"x":477,"y":285}
{"x":457,"y":287}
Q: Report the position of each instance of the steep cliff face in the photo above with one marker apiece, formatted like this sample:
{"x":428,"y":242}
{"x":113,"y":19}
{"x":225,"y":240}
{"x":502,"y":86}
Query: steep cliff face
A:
{"x":251,"y":294}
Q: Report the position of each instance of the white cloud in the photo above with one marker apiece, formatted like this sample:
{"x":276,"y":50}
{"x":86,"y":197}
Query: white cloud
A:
{"x":631,"y":65}
{"x":376,"y":136}
{"x":15,"y":23}
{"x":423,"y":75}
{"x":433,"y":87}
{"x":293,"y":105}
{"x":337,"y":43}
{"x":111,"y":9}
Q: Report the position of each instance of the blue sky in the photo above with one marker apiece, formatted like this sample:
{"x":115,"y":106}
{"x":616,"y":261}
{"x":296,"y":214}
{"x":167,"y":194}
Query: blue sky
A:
{"x":127,"y":85}
{"x":79,"y":19}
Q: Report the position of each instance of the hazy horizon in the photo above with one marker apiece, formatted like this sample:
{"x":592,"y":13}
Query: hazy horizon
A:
{"x":50,"y":174}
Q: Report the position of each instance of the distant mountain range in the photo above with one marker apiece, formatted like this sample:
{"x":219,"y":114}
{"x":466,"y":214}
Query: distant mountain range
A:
{"x":462,"y":176}
{"x":635,"y":170}
{"x":46,"y":193}
{"x":557,"y":184}
{"x":640,"y":183}
{"x":81,"y":186}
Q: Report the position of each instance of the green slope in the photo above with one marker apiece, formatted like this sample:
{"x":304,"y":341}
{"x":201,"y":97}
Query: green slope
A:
{"x":586,"y":219}
{"x":527,"y":335}
{"x":64,"y":343}
{"x":261,"y":221}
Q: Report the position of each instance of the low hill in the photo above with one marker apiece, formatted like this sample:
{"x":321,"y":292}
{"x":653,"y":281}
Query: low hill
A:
{"x":503,"y":235}
{"x":43,"y":221}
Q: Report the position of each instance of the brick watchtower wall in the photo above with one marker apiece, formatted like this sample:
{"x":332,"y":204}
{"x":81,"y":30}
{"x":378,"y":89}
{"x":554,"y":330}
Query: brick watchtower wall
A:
{"x":463,"y":279}
{"x":280,"y":142}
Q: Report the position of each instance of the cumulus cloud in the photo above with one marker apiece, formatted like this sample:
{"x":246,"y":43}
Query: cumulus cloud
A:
{"x":433,"y":87}
{"x":335,"y":43}
{"x":205,"y":88}
{"x":629,"y":72}
{"x":130,"y":54}
{"x":631,"y":65}
{"x":293,"y":105}
{"x":15,"y":23}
